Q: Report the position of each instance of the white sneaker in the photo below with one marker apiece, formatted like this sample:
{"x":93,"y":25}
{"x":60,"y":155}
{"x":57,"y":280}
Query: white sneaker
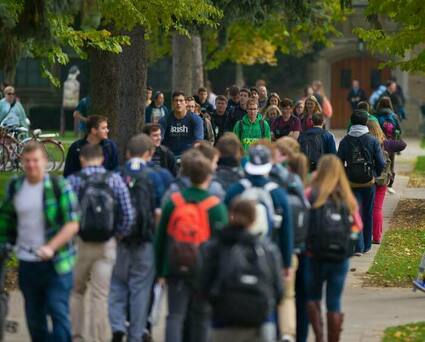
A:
{"x":287,"y":338}
{"x":391,"y":191}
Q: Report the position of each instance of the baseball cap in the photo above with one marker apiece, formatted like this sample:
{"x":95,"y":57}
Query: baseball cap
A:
{"x":259,"y":161}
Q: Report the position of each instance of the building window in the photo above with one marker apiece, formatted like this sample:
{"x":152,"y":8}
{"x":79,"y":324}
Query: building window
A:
{"x":346,"y":78}
{"x":375,"y":78}
{"x":28,"y":74}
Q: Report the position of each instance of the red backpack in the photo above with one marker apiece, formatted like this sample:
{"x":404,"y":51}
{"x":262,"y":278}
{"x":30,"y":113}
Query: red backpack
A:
{"x":187,"y":229}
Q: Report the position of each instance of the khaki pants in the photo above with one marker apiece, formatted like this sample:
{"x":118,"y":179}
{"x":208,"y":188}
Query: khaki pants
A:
{"x":94,"y":266}
{"x":286,"y":309}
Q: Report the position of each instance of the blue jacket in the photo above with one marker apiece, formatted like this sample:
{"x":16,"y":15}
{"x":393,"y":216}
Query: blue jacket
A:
{"x":72,"y":163}
{"x":180,"y":134}
{"x":329,"y":145}
{"x":161,"y":178}
{"x":280,"y":201}
{"x":371,"y":144}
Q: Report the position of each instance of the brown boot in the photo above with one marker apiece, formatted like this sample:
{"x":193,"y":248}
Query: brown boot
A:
{"x":315,"y":317}
{"x":335,"y":320}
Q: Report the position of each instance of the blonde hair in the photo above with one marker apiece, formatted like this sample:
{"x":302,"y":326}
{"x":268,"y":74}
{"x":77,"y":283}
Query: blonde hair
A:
{"x":317,"y":107}
{"x":376,"y":130}
{"x":271,"y":108}
{"x":331,"y":182}
{"x":298,"y":164}
{"x":287,"y":146}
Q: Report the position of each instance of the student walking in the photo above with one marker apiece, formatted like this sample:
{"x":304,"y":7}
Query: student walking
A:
{"x":381,"y":183}
{"x":251,"y":127}
{"x":97,"y":134}
{"x":106,"y":213}
{"x":40,"y":216}
{"x":241,"y":308}
{"x":134,"y":271}
{"x":317,"y":141}
{"x":334,"y":226}
{"x":363,"y":160}
{"x":188,"y":220}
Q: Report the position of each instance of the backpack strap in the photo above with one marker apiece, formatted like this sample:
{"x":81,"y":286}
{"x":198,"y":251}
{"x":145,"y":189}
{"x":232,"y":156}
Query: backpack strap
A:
{"x":270,"y":186}
{"x":263,"y":129}
{"x":246,"y":183}
{"x":178,"y":199}
{"x":209,"y":202}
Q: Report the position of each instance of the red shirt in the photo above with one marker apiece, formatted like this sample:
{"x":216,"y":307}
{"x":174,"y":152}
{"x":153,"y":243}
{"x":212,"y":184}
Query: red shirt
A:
{"x":282,"y":128}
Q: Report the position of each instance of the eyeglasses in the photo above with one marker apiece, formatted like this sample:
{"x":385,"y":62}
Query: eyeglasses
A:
{"x":10,"y":94}
{"x":252,"y":109}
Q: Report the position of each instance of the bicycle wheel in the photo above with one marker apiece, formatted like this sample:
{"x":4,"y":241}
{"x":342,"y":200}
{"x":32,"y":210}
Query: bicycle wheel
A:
{"x":5,"y":162}
{"x":55,"y":154}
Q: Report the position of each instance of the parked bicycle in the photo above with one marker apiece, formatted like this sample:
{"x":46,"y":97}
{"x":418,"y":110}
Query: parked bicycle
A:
{"x":13,"y":139}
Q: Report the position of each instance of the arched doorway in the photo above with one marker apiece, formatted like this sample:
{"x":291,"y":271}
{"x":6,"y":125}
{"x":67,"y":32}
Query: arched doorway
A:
{"x":363,"y":69}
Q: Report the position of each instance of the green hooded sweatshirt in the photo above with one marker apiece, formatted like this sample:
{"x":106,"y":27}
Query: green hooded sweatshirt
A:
{"x":250,"y":133}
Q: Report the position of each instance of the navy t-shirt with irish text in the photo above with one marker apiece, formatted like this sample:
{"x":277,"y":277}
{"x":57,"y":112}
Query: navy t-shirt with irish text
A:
{"x":180,"y":134}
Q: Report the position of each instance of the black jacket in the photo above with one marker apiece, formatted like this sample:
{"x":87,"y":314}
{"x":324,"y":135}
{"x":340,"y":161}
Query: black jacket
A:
{"x":219,"y":123}
{"x":234,"y":116}
{"x":72,"y":163}
{"x":164,"y":158}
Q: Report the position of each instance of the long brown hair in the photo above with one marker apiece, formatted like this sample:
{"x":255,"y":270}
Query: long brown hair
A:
{"x":331,"y":181}
{"x":376,"y":130}
{"x":317,"y":107}
{"x":298,"y":164}
{"x":384,"y":103}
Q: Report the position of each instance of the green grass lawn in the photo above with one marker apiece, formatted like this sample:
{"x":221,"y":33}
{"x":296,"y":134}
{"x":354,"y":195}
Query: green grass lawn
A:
{"x":413,"y":332}
{"x":396,"y":262}
{"x":4,"y":179}
{"x":417,"y":177}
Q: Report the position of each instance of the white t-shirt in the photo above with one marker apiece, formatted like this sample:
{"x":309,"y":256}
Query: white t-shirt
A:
{"x":28,"y":203}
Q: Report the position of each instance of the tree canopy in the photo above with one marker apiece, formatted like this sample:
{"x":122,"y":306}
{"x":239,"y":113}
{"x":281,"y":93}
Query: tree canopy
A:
{"x":398,"y":31}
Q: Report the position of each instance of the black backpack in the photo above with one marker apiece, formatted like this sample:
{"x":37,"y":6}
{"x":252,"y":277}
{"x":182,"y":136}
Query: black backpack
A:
{"x":360,"y":165}
{"x":242,"y":294}
{"x":98,"y":207}
{"x":142,"y":195}
{"x":312,"y":146}
{"x":330,"y":232}
{"x":227,"y":176}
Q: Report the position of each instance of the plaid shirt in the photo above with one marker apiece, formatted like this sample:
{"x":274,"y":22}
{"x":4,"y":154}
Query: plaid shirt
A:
{"x":121,"y":195}
{"x":66,"y":208}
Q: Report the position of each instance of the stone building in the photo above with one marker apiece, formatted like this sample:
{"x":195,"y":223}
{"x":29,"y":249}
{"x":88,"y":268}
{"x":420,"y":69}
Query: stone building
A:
{"x":348,"y":59}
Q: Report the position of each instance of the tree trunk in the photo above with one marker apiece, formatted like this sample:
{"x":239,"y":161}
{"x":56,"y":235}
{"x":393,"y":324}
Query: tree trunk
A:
{"x":118,"y":88}
{"x":182,"y":64}
{"x":240,"y":81}
{"x":104,"y":87}
{"x":197,"y":63}
{"x":132,"y":93}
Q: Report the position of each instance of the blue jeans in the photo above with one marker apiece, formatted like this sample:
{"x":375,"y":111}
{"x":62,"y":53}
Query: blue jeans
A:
{"x":365,"y":199}
{"x":333,"y":274}
{"x":301,"y":299}
{"x":131,"y":285}
{"x":46,"y":293}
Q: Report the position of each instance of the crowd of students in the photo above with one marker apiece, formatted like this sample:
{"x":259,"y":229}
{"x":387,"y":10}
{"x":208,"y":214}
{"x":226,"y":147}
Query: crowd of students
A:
{"x":244,"y":225}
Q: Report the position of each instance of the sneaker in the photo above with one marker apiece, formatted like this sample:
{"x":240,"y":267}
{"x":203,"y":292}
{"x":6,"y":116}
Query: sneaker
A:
{"x":391,"y":191}
{"x":419,"y":284}
{"x":359,"y":254}
{"x":375,"y":242}
{"x":287,"y":338}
